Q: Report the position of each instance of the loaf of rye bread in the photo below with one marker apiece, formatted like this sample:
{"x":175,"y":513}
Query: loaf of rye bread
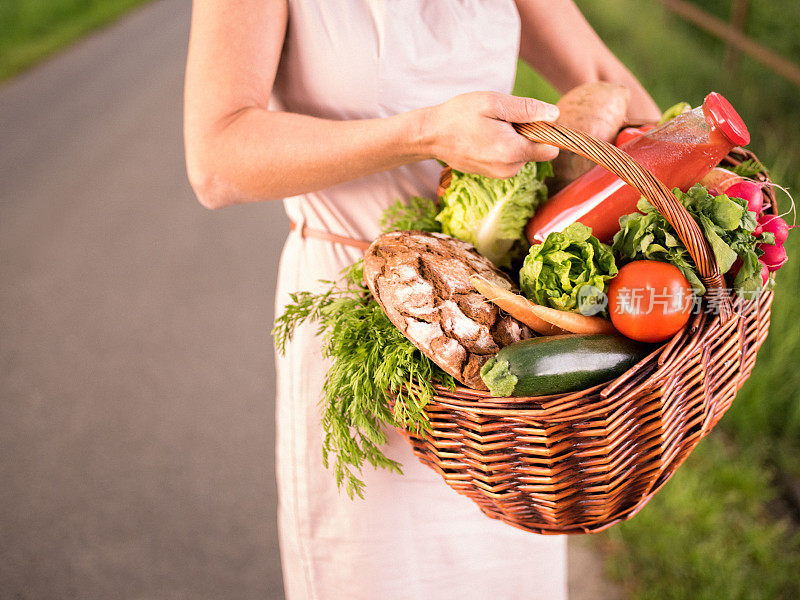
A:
{"x":422,"y":282}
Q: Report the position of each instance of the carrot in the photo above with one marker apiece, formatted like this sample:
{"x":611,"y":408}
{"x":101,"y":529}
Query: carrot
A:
{"x":542,"y":319}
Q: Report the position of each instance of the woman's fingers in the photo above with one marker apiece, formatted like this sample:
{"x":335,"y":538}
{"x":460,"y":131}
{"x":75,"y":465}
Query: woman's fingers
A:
{"x":537,"y":152}
{"x":516,"y":109}
{"x":473,"y":133}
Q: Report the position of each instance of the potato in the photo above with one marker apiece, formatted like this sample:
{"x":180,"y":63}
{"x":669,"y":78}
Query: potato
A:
{"x":597,"y":108}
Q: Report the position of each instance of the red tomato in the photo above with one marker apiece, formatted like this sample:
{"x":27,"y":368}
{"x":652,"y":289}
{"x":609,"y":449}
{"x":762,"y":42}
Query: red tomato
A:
{"x":629,"y":133}
{"x":649,"y":301}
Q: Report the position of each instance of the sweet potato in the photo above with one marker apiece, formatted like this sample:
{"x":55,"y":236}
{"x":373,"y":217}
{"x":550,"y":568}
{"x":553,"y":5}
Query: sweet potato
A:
{"x":598,"y":108}
{"x":720,"y":179}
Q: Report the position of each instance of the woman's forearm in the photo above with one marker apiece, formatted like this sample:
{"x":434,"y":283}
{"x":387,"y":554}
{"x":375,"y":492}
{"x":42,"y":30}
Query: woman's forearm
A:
{"x":257,"y":154}
{"x":261,"y":154}
{"x":237,"y":150}
{"x":560,"y":44}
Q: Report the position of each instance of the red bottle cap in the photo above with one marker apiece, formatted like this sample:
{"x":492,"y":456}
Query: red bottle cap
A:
{"x":724,"y":116}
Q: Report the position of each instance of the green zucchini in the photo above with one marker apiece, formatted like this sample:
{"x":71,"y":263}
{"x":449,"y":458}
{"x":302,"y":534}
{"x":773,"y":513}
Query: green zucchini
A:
{"x":560,"y":363}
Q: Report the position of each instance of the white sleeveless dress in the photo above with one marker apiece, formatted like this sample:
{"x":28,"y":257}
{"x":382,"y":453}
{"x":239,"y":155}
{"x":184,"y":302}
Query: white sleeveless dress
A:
{"x":412,"y":537}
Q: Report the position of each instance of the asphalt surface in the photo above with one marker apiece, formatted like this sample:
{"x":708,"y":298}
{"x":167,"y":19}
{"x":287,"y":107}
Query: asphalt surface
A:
{"x":136,"y":374}
{"x":136,"y":367}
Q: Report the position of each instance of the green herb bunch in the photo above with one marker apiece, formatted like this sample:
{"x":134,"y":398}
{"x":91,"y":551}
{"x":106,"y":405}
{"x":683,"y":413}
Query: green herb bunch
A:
{"x":417,"y":214}
{"x":748,"y":168}
{"x":726,"y":223}
{"x":377,"y":378}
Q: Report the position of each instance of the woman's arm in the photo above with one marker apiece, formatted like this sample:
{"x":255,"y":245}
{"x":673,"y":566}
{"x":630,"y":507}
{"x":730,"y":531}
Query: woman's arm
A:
{"x":239,"y":151}
{"x":560,"y":44}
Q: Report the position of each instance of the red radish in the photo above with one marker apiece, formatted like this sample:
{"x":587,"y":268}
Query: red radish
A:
{"x":737,"y":264}
{"x":749,"y":191}
{"x":734,"y":270}
{"x":774,"y":256}
{"x":764,"y":273}
{"x":774,"y":224}
{"x":719,"y":180}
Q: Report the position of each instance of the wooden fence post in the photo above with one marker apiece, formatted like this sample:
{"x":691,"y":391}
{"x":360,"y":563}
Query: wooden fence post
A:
{"x":738,"y":21}
{"x":736,"y":39}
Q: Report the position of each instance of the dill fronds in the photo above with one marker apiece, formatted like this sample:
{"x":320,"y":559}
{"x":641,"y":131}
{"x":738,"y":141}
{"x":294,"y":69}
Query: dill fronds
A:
{"x":377,"y":378}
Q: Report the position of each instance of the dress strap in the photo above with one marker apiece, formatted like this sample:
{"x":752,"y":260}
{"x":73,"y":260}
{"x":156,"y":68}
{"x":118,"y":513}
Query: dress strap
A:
{"x":327,"y":236}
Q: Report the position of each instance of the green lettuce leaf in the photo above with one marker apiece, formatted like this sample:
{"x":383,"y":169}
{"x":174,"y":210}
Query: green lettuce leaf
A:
{"x":570,"y":271}
{"x":726,"y":223}
{"x":490,"y":213}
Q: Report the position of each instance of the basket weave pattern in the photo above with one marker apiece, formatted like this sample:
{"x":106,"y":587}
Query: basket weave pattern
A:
{"x":581,"y":462}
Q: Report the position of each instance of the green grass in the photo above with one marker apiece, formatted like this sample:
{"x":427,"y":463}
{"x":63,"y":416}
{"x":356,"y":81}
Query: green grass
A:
{"x":709,"y":533}
{"x":31,"y":30}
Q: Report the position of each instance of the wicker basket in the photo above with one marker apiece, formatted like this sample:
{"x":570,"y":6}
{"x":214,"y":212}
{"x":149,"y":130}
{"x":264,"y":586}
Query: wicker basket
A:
{"x":581,"y":462}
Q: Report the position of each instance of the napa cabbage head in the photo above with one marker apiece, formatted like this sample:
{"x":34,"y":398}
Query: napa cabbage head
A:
{"x":491,"y":213}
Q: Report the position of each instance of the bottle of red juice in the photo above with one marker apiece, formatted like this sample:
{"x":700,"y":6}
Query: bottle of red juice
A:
{"x":680,"y":153}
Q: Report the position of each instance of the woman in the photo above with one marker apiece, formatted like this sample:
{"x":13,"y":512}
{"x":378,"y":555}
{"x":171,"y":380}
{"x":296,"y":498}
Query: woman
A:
{"x":339,"y":107}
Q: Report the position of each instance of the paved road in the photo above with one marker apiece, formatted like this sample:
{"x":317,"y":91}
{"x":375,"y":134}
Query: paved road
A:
{"x":136,"y":376}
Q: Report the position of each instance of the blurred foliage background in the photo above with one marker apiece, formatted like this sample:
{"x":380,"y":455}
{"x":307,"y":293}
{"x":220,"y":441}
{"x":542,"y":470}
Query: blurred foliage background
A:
{"x":33,"y":29}
{"x":724,"y":526}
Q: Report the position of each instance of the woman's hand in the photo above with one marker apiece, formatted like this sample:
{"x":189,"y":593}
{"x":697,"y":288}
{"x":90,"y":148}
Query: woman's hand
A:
{"x":473,"y":133}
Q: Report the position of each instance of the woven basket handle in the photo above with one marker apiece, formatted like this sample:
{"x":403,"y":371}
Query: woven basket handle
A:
{"x":634,"y":174}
